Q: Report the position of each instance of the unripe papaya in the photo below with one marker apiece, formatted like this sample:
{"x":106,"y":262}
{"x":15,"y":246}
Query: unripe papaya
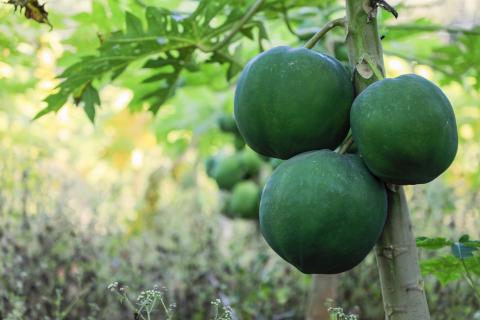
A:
{"x":288,"y":101}
{"x":227,"y":123}
{"x":245,"y":200}
{"x":323,"y":212}
{"x":405,"y":129}
{"x":341,"y":51}
{"x":210,"y":165}
{"x":251,"y":161}
{"x":274,"y":162}
{"x":228,"y":171}
{"x":238,"y":142}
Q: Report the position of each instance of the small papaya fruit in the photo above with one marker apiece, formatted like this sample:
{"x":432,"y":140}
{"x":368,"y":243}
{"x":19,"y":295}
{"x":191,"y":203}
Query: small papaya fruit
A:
{"x":228,"y":171}
{"x":251,"y":161}
{"x":245,"y":200}
{"x":227,"y":123}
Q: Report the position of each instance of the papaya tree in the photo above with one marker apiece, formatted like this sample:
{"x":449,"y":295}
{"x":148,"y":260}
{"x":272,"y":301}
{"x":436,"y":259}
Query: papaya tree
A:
{"x":166,"y":45}
{"x":402,"y":285}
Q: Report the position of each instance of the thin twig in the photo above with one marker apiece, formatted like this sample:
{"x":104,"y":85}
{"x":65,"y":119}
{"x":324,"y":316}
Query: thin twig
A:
{"x":231,"y":59}
{"x":423,"y":5}
{"x":418,"y":61}
{"x":468,"y":277}
{"x":286,"y":19}
{"x":432,"y":28}
{"x":340,"y":22}
{"x":250,"y":13}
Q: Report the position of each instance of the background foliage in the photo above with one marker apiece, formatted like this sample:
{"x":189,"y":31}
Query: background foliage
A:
{"x":127,"y":199}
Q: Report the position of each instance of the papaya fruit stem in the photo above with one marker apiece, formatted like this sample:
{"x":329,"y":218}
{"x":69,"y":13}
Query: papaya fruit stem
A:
{"x":346,"y":144}
{"x":340,"y":22}
{"x":397,"y":270}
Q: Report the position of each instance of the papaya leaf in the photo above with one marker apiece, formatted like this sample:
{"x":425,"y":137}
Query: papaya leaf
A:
{"x":90,"y":99}
{"x":54,"y":103}
{"x":463,"y":261}
{"x":163,"y":38}
{"x":445,"y":269}
{"x":461,"y":251}
{"x":165,"y":42}
{"x":433,"y":243}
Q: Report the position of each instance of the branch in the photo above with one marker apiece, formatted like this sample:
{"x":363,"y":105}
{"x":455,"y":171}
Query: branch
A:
{"x":469,"y":279}
{"x":231,"y":59}
{"x":423,"y":5}
{"x":420,"y":61}
{"x":250,"y":13}
{"x":324,"y":30}
{"x":288,"y":24}
{"x":432,"y":28}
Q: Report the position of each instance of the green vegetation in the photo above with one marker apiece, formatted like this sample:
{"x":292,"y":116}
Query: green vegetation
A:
{"x":117,"y":214}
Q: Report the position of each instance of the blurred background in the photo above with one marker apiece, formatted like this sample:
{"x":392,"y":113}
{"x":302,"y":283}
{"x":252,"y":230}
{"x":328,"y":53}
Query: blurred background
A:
{"x":95,"y":219}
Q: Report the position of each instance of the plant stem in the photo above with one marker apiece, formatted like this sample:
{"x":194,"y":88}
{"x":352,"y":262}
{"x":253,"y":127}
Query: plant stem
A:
{"x":363,"y":41}
{"x":340,"y":22}
{"x":402,"y":286}
{"x":420,"y":61}
{"x":469,"y":279}
{"x":288,"y":24}
{"x":250,"y":13}
{"x":431,"y":28}
{"x":324,"y":288}
{"x":346,"y":144}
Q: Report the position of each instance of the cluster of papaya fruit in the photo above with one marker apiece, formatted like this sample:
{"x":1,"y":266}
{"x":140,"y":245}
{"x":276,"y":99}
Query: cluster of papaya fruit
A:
{"x":320,"y":210}
{"x":239,"y":174}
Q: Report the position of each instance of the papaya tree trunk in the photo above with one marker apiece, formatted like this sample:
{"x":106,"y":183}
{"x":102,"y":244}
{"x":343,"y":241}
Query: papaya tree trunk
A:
{"x":397,"y":258}
{"x":324,"y":289}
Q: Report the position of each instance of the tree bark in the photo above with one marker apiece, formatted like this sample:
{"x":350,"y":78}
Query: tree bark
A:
{"x":324,"y":288}
{"x":397,"y":259}
{"x":402,"y":285}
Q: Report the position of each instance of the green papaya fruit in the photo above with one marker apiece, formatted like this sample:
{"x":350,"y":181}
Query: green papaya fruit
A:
{"x":238,"y":142}
{"x":228,"y":171}
{"x":275,"y":162}
{"x":341,"y":51}
{"x":227,"y":123}
{"x":405,"y":130}
{"x":288,"y":101}
{"x":210,"y":164}
{"x":251,"y":161}
{"x":245,"y":200}
{"x":323,"y":212}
